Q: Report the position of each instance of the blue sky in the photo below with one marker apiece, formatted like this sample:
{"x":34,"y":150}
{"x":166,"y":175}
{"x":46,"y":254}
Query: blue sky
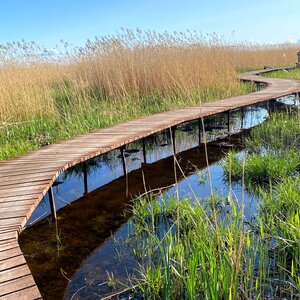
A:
{"x":48,"y":21}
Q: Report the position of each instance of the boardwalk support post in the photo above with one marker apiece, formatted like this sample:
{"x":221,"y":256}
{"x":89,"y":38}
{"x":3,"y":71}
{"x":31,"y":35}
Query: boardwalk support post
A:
{"x":268,"y":108}
{"x":85,"y":178}
{"x":123,"y":160}
{"x":124,"y":169}
{"x":199,"y":131}
{"x":144,"y":151}
{"x":242,"y":117}
{"x":52,"y":204}
{"x":173,"y":138}
{"x":228,"y":122}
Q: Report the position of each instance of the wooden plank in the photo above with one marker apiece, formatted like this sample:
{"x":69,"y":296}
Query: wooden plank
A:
{"x":37,"y":166}
{"x":10,"y":253}
{"x":14,"y":273}
{"x":21,"y":171}
{"x":19,"y":198}
{"x":37,"y":160}
{"x":30,"y":293}
{"x":12,"y":262}
{"x":13,"y":214}
{"x":5,"y":242}
{"x":8,"y":235}
{"x":27,"y":187}
{"x":25,"y":178}
{"x":11,"y":222}
{"x":23,"y":174}
{"x":17,"y":202}
{"x":20,"y":192}
{"x":6,"y":230}
{"x":14,"y":208}
{"x":9,"y":245}
{"x":16,"y":184}
{"x":16,"y":285}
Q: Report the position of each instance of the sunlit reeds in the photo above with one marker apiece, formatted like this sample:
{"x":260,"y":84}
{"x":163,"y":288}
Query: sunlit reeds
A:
{"x":116,"y":78}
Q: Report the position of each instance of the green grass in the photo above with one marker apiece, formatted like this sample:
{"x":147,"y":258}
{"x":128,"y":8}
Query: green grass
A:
{"x":279,"y":134}
{"x":188,"y":252}
{"x":190,"y":249}
{"x":183,"y":253}
{"x":290,"y":74}
{"x":272,"y":153}
{"x":78,"y":117}
{"x":261,"y":169}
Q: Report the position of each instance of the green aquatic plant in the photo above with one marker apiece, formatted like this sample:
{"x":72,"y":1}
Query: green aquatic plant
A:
{"x":272,"y":154}
{"x":195,"y":249}
{"x":232,"y":166}
{"x":191,"y":252}
{"x":280,"y":133}
{"x":260,"y":169}
{"x":192,"y":256}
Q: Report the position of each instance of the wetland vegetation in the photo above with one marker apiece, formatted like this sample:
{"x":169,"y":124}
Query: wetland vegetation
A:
{"x":208,"y":249}
{"x":285,"y":74}
{"x":187,"y":245}
{"x":225,"y":231}
{"x":46,"y":97}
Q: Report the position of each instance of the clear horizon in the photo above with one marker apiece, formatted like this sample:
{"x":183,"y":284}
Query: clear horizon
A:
{"x":47,"y":22}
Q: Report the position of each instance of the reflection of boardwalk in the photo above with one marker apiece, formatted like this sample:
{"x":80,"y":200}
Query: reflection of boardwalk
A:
{"x":26,"y":179}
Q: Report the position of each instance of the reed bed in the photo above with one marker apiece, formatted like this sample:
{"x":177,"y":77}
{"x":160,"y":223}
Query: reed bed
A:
{"x":46,"y":96}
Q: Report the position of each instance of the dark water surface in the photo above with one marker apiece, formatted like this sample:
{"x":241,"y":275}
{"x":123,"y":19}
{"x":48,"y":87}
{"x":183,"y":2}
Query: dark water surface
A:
{"x":74,"y":263}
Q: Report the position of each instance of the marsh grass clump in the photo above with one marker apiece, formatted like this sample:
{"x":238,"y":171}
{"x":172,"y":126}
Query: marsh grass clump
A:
{"x":279,"y":134}
{"x":185,"y":255}
{"x":272,"y":153}
{"x":279,"y":212}
{"x":271,"y":169}
{"x":232,"y":166}
{"x":186,"y":251}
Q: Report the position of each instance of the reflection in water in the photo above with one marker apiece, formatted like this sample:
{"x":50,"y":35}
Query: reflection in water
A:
{"x":108,"y":167}
{"x":96,"y":224}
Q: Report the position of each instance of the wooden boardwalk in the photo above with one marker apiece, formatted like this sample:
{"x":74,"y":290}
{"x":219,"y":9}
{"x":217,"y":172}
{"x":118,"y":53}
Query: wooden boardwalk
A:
{"x":26,"y":179}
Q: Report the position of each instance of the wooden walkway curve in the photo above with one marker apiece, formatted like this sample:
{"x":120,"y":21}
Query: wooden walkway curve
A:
{"x":25,"y":180}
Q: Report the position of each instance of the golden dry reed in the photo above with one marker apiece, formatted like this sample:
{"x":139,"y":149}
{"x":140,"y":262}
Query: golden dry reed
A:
{"x":129,"y":65}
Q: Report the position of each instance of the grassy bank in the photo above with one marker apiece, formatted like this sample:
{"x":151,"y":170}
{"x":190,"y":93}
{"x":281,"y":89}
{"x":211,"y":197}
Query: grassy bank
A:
{"x":45,"y":98}
{"x":285,"y":74}
{"x":206,"y":250}
{"x":73,"y":118}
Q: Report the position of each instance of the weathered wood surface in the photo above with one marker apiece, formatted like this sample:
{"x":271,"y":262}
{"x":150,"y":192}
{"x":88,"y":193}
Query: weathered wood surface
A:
{"x":26,"y":179}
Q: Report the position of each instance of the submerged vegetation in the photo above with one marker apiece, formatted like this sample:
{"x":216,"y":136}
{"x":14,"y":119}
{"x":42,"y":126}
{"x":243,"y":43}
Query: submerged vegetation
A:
{"x":46,"y":97}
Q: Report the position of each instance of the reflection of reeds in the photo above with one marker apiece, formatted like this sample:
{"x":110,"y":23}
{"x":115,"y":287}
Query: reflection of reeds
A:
{"x":78,"y":170}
